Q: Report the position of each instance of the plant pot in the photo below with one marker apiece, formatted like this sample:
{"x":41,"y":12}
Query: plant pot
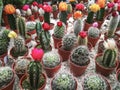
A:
{"x":56,"y":40}
{"x":93,"y":41}
{"x":63,"y":53}
{"x":10,"y":85}
{"x":55,"y":14}
{"x":31,"y":32}
{"x":118,"y":75}
{"x":25,"y":76}
{"x":52,"y":71}
{"x":87,"y":26}
{"x":3,"y":55}
{"x":100,"y":24}
{"x":41,"y":18}
{"x":51,"y":26}
{"x":77,"y":70}
{"x":100,"y":47}
{"x":36,"y":14}
{"x":31,"y":18}
{"x":101,"y":69}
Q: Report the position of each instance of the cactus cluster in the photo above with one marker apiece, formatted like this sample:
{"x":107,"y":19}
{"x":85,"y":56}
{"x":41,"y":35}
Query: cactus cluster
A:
{"x":94,"y":82}
{"x":68,"y":41}
{"x":51,"y":59}
{"x":64,"y":81}
{"x":6,"y":75}
{"x":80,"y":55}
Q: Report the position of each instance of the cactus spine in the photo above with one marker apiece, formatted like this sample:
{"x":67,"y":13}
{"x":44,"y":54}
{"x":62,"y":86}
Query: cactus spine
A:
{"x":38,"y":27}
{"x":21,"y":26}
{"x":35,"y":72}
{"x":93,"y":32}
{"x":1,"y":10}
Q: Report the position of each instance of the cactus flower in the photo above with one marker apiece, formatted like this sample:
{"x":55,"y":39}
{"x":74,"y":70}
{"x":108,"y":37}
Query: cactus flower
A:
{"x":63,"y":6}
{"x":101,"y":3}
{"x":35,"y":3}
{"x":110,"y":5}
{"x":118,"y":8}
{"x":83,"y":34}
{"x":12,"y":34}
{"x":46,"y":26}
{"x":47,"y":8}
{"x":40,"y":6}
{"x":115,"y":13}
{"x":71,"y":0}
{"x":37,"y":54}
{"x":25,"y":7}
{"x":9,"y":9}
{"x":94,"y":8}
{"x":95,"y":24}
{"x":80,"y":6}
{"x":59,"y":24}
{"x":77,"y":15}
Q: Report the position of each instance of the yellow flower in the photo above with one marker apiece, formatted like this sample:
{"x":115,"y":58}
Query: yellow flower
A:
{"x":63,"y":6}
{"x":77,"y":15}
{"x":71,"y":0}
{"x":94,"y":8}
{"x":101,"y":3}
{"x":12,"y":34}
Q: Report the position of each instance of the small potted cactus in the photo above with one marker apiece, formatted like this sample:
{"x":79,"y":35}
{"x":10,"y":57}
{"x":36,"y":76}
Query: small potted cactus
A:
{"x":93,"y":34}
{"x":79,"y":60}
{"x":69,"y":11}
{"x":106,"y":62}
{"x":7,"y":78}
{"x":19,"y":49}
{"x":55,"y":11}
{"x":51,"y":63}
{"x":118,"y":75}
{"x":95,"y":82}
{"x":65,"y":48}
{"x":58,"y":34}
{"x":34,"y":79}
{"x":64,"y":81}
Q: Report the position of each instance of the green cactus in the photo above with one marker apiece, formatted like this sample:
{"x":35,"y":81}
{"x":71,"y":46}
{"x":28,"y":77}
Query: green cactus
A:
{"x":51,"y":59}
{"x":1,"y":10}
{"x":113,"y":25}
{"x":47,"y":17}
{"x":68,"y":41}
{"x":6,"y":76}
{"x":80,"y":55}
{"x":54,"y":8}
{"x":100,"y":14}
{"x":77,"y":26}
{"x":38,"y":27}
{"x":93,"y":32}
{"x":5,"y":35}
{"x":59,"y":31}
{"x":21,"y":26}
{"x":94,"y":82}
{"x":63,"y":16}
{"x":69,"y":8}
{"x":64,"y":81}
{"x":90,"y":17}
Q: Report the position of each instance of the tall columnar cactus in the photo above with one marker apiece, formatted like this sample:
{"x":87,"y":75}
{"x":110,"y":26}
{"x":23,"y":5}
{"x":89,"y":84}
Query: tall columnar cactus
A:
{"x":38,"y":27}
{"x":59,"y":30}
{"x":110,"y":53}
{"x":1,"y":10}
{"x":80,"y":55}
{"x":68,"y":41}
{"x":82,"y":38}
{"x":21,"y":26}
{"x":94,"y":82}
{"x":78,"y":25}
{"x":69,"y":8}
{"x":113,"y":24}
{"x":35,"y":72}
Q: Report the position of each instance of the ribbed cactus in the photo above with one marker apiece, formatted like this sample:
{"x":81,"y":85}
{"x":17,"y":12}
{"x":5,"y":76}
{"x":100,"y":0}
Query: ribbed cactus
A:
{"x":59,"y":31}
{"x":38,"y":27}
{"x":44,"y":38}
{"x":110,"y":53}
{"x":5,"y":35}
{"x":69,"y":8}
{"x":80,"y":55}
{"x":94,"y":82}
{"x":68,"y":41}
{"x":54,"y":8}
{"x":35,"y":72}
{"x":63,"y":16}
{"x":21,"y":26}
{"x":78,"y":24}
{"x":1,"y":10}
{"x":113,"y":24}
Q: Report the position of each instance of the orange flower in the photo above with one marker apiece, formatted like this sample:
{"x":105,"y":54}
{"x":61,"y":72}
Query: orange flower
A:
{"x":77,"y":14}
{"x":9,"y":9}
{"x":63,"y":6}
{"x":101,"y":3}
{"x":71,"y":0}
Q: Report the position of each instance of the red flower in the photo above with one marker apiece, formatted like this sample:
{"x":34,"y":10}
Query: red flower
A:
{"x":25,"y":7}
{"x":116,"y":1}
{"x":118,"y":8}
{"x":37,"y":54}
{"x":40,"y":6}
{"x":110,"y":5}
{"x":59,"y":23}
{"x":115,"y":13}
{"x":46,"y":26}
{"x":83,"y":34}
{"x":35,"y":3}
{"x":79,"y":6}
{"x":47,"y":8}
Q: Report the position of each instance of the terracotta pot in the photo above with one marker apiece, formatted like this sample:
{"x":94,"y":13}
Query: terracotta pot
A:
{"x":31,"y":18}
{"x":55,"y":14}
{"x":86,"y":26}
{"x":10,"y":85}
{"x":100,"y":49}
{"x":25,"y":76}
{"x":63,"y":53}
{"x":3,"y":55}
{"x":52,"y":71}
{"x":99,"y":24}
{"x":76,"y":69}
{"x":36,"y":14}
{"x":56,"y":40}
{"x":101,"y":69}
{"x":41,"y":18}
{"x":93,"y":41}
{"x":118,"y":75}
{"x":51,"y":26}
{"x":32,"y":32}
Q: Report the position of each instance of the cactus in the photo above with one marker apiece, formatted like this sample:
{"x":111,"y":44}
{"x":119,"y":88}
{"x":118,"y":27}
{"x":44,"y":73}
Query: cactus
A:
{"x":116,"y":86}
{"x":78,"y":25}
{"x":1,"y":63}
{"x":5,"y":35}
{"x":21,"y":27}
{"x":80,"y":55}
{"x":110,"y":53}
{"x":63,"y":16}
{"x":59,"y":31}
{"x":68,"y":41}
{"x":1,"y":10}
{"x":6,"y":76}
{"x":69,"y":8}
{"x":38,"y":27}
{"x":31,"y":26}
{"x":113,"y":24}
{"x":51,"y":59}
{"x":54,"y":8}
{"x":94,"y":82}
{"x":82,"y":38}
{"x":64,"y":81}
{"x":100,"y":14}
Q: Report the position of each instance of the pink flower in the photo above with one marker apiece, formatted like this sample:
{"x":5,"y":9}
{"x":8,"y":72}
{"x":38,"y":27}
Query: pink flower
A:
{"x":116,"y":1}
{"x":59,"y":23}
{"x":25,"y":7}
{"x":83,"y":34}
{"x":110,"y":5}
{"x":95,"y":24}
{"x":37,"y":54}
{"x":79,"y":6}
{"x":46,"y":26}
{"x":115,"y":13}
{"x":47,"y":8}
{"x":40,"y":6}
{"x":35,"y":3}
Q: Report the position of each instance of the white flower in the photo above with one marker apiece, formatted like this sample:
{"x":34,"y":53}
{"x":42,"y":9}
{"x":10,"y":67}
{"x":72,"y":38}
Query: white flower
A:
{"x":29,"y":12}
{"x":41,"y":12}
